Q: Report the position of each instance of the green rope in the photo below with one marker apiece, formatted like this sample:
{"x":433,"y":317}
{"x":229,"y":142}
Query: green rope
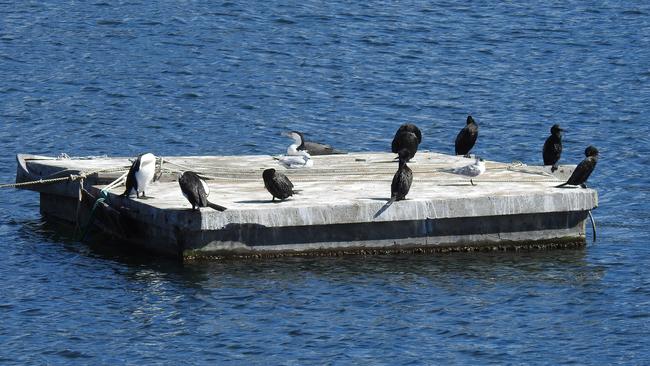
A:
{"x":103,"y":198}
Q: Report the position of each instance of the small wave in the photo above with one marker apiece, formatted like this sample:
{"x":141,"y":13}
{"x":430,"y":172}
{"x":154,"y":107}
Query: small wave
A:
{"x":632,"y":12}
{"x":190,"y":95}
{"x":9,"y":90}
{"x":91,"y":89}
{"x":118,"y":95}
{"x":67,"y":353}
{"x":150,"y":23}
{"x":9,"y":58}
{"x":284,"y":21}
{"x":182,"y":44}
{"x":372,"y":41}
{"x":109,"y":22}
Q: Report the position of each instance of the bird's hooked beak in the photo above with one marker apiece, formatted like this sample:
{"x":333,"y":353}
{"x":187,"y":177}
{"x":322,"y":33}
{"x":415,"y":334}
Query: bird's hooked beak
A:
{"x":293,"y":135}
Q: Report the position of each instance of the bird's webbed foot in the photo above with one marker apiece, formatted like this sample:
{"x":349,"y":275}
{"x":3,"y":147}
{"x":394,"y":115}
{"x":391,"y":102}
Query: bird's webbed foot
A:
{"x":554,"y":168}
{"x":583,"y":185}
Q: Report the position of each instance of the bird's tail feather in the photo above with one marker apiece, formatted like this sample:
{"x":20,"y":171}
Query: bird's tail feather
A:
{"x":216,"y":207}
{"x":562,"y":185}
{"x":385,"y":207}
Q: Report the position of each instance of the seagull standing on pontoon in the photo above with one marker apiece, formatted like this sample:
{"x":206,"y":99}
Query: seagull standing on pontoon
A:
{"x":140,"y":175}
{"x":295,"y":158}
{"x":196,"y":191}
{"x":472,"y":170}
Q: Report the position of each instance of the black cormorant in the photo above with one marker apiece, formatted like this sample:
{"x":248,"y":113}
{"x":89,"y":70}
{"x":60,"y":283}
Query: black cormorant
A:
{"x":401,"y":183}
{"x":407,"y":127}
{"x":466,"y":138}
{"x":278,"y":185}
{"x":584,"y":169}
{"x":402,"y":179}
{"x":196,"y":191}
{"x":408,"y":136}
{"x":553,"y":147}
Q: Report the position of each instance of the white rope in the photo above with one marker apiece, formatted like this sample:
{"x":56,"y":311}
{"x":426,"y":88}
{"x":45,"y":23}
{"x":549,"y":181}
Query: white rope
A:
{"x":116,"y":182}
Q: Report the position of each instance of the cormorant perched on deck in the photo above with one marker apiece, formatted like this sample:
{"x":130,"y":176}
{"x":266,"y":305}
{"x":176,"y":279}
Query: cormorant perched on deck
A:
{"x":407,"y":127}
{"x":408,"y":137}
{"x":583,"y":170}
{"x":196,"y":191}
{"x":313,"y":148}
{"x":140,"y":175}
{"x":402,"y":179}
{"x":401,"y":183}
{"x":466,"y":138}
{"x":278,"y":185}
{"x":553,"y":147}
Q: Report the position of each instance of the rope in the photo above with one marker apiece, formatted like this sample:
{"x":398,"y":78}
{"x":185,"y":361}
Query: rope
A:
{"x":104,"y":197}
{"x":78,"y":210}
{"x":116,"y":182}
{"x":41,"y":181}
{"x":64,"y":156}
{"x":91,"y":219}
{"x":185,"y":168}
{"x":71,"y":178}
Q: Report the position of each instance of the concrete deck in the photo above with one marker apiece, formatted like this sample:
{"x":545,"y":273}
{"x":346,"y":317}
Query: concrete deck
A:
{"x":510,"y":206}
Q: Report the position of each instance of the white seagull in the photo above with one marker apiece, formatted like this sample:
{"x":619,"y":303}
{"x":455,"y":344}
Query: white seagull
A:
{"x":295,"y":158}
{"x":472,"y":170}
{"x":296,"y":162}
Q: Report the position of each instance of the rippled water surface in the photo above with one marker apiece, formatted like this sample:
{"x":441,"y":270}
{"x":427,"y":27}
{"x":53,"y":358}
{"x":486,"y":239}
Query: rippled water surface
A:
{"x":203,"y":77}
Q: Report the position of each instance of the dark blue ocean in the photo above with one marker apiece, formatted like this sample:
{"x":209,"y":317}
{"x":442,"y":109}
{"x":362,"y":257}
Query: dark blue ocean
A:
{"x":188,"y":77}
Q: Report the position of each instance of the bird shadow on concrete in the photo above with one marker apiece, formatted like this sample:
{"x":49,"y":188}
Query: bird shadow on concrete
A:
{"x":461,"y":184}
{"x":375,"y":198}
{"x":260,"y":201}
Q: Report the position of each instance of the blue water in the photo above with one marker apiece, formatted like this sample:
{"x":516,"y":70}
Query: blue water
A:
{"x":204,"y":77}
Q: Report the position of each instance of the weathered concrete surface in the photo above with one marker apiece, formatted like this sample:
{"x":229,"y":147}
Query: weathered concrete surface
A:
{"x":339,"y":198}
